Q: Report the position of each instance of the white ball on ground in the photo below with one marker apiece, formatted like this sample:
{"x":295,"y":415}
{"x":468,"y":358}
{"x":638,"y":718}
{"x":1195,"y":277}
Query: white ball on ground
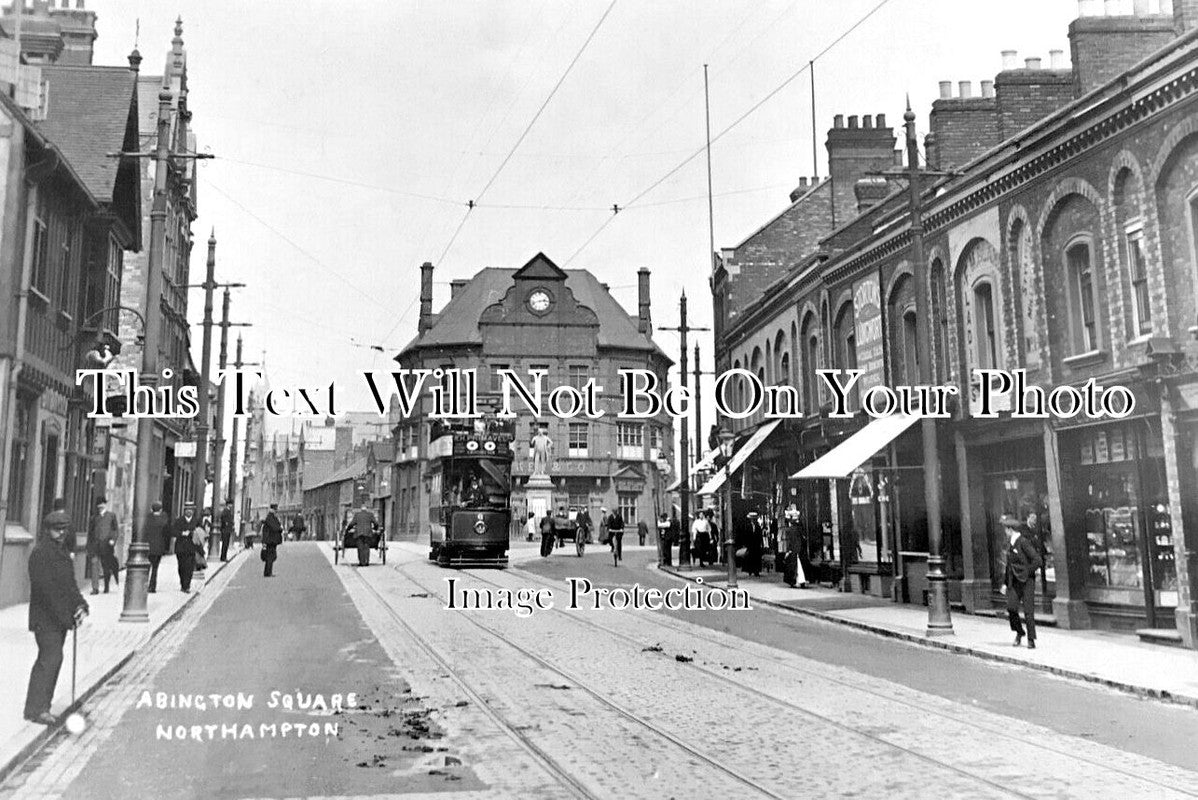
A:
{"x":76,"y":724}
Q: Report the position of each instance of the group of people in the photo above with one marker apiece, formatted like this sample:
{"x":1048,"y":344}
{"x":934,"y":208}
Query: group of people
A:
{"x":611,"y":529}
{"x":705,"y":539}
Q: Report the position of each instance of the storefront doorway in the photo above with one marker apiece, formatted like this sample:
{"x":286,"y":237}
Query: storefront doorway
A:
{"x":1016,"y":484}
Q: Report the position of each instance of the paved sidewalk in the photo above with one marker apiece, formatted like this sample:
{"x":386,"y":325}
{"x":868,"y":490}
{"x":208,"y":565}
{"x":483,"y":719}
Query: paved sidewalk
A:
{"x":104,"y":645}
{"x":1119,"y":661}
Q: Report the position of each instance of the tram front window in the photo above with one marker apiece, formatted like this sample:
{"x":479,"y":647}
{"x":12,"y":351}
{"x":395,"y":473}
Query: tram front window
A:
{"x":479,"y":485}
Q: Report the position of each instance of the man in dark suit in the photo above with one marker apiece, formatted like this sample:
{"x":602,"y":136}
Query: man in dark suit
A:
{"x":183,"y":532}
{"x":1019,"y":579}
{"x":226,"y":530}
{"x":364,"y":527}
{"x":157,"y":538}
{"x":55,"y":607}
{"x":615,"y":529}
{"x":272,"y":537}
{"x":101,"y":545}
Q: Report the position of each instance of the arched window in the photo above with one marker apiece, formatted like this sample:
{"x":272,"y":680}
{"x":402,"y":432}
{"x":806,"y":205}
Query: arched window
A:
{"x":810,"y":354}
{"x":910,"y":348}
{"x":784,"y":370}
{"x":1083,"y":319}
{"x":986,"y":335}
{"x":940,"y":319}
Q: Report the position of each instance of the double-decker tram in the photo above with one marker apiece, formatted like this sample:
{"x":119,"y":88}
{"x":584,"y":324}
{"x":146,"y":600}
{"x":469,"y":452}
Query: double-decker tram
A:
{"x":470,"y":468}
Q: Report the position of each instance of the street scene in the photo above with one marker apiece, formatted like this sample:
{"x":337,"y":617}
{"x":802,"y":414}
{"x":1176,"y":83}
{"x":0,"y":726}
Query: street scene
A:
{"x":595,"y":399}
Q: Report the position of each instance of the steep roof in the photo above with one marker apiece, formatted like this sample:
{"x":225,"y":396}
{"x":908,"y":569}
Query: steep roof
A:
{"x":457,"y":322}
{"x":346,"y":473}
{"x":92,"y":111}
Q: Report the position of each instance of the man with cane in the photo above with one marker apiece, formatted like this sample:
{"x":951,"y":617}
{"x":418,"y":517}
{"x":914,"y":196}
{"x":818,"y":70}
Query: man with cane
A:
{"x":55,"y":607}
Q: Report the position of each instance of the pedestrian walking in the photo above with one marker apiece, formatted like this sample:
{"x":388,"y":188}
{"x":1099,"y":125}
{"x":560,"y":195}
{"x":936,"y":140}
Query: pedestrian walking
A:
{"x":713,"y":551}
{"x":547,"y":536}
{"x":701,"y":536}
{"x":55,"y":607}
{"x":101,"y":546}
{"x":530,"y":526}
{"x":226,"y":530}
{"x":272,"y":537}
{"x":1019,"y":579}
{"x":663,"y":538}
{"x":200,"y":537}
{"x":298,"y":527}
{"x":642,"y":531}
{"x":364,"y":527}
{"x":183,"y":532}
{"x":615,"y":530}
{"x":156,"y":529}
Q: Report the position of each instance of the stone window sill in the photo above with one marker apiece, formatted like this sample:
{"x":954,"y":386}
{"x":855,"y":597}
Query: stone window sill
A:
{"x":1086,"y":359}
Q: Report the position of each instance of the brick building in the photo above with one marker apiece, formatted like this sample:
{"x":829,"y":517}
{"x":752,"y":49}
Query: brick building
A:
{"x":566,"y":323}
{"x":69,"y":214}
{"x":173,"y":481}
{"x":1066,"y":244}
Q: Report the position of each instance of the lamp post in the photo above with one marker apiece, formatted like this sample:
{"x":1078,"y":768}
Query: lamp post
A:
{"x":726,"y":439}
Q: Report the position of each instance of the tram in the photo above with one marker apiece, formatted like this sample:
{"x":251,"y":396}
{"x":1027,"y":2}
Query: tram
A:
{"x":470,"y":471}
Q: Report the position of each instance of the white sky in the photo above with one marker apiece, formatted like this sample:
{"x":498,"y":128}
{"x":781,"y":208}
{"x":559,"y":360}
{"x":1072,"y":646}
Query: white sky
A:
{"x":429,"y":97}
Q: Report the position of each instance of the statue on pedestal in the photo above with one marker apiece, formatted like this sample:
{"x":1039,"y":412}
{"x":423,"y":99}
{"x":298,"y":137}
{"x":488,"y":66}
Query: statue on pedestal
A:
{"x":542,"y":452}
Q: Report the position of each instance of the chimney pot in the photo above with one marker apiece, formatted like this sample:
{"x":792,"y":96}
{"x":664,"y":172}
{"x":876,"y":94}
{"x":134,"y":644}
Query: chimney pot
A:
{"x":880,"y":120}
{"x":1010,"y":59}
{"x":853,"y":121}
{"x":946,"y":90}
{"x":802,"y":183}
{"x":1167,"y":7}
{"x":838,"y":121}
{"x":1032,"y":63}
{"x":1056,"y":59}
{"x":966,"y":89}
{"x":644,"y":318}
{"x":987,"y":88}
{"x":867,"y":121}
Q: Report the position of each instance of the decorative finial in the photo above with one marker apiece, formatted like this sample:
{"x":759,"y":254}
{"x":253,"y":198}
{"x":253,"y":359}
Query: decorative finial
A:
{"x":179,"y":28}
{"x":212,"y":237}
{"x":910,"y":115}
{"x":134,"y":60}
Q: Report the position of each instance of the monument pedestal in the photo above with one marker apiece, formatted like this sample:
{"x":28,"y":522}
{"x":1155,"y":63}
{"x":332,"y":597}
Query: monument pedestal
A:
{"x":538,"y":495}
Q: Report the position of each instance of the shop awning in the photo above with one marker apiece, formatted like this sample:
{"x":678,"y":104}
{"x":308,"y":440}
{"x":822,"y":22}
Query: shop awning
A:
{"x":705,"y":464}
{"x":841,"y":460}
{"x":740,"y":457}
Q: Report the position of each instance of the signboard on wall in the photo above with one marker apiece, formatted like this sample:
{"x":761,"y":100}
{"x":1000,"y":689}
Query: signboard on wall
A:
{"x":867,"y":311}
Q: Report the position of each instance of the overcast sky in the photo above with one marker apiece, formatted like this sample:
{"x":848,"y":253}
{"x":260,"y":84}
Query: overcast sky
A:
{"x":349,"y":136}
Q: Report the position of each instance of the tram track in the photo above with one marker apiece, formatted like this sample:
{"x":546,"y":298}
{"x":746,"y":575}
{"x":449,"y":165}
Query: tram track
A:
{"x":693,"y":631}
{"x":567,"y":675}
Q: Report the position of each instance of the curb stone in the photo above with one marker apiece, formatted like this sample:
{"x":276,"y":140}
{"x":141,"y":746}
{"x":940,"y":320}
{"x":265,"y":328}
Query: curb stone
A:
{"x":940,"y":644}
{"x":49,"y":731}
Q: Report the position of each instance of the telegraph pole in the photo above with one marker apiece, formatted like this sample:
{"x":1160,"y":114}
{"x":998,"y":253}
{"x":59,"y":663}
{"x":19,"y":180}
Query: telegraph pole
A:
{"x":238,"y":364}
{"x":137,"y":571}
{"x":201,"y":463}
{"x":684,"y":480}
{"x":219,"y":442}
{"x":940,"y":621}
{"x":698,"y":405}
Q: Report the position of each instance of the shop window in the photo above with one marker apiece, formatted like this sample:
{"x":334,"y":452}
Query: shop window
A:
{"x":627,"y":504}
{"x":1083,"y":304}
{"x":579,"y":439}
{"x":985,"y":335}
{"x":1137,"y":273}
{"x":21,"y":456}
{"x":630,"y":441}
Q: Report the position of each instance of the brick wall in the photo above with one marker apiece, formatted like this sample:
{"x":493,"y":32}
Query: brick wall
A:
{"x":1026,"y":96}
{"x":962,"y":128}
{"x":1175,"y":201}
{"x":1104,"y":47}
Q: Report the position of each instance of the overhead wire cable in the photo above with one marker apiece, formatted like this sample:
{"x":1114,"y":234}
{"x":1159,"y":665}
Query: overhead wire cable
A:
{"x":753,"y":108}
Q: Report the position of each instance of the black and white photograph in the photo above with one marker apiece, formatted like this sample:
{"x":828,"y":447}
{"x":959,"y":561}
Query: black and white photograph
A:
{"x":598,"y":399}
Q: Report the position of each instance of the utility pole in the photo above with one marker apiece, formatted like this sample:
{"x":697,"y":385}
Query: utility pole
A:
{"x":684,"y":480}
{"x":219,"y":441}
{"x":940,"y":621}
{"x":698,"y":406}
{"x":202,"y":428}
{"x":137,"y":569}
{"x":238,"y":364}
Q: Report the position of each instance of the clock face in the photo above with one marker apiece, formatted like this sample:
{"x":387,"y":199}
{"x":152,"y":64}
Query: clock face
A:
{"x":539,"y":301}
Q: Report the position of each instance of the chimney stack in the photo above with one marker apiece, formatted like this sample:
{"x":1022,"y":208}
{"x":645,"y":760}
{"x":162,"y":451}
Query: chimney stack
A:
{"x":1010,"y":59}
{"x":1104,"y":47}
{"x":426,"y":297}
{"x":455,"y":286}
{"x":852,"y":152}
{"x":644,"y":322}
{"x":987,"y":89}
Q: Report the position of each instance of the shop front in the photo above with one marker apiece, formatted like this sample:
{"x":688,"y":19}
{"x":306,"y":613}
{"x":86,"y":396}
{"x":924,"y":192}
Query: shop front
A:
{"x":1117,"y":515}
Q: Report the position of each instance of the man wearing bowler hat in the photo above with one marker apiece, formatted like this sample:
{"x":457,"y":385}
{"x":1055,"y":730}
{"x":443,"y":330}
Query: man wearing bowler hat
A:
{"x":272,"y":537}
{"x":183,"y":532}
{"x":1019,"y":578}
